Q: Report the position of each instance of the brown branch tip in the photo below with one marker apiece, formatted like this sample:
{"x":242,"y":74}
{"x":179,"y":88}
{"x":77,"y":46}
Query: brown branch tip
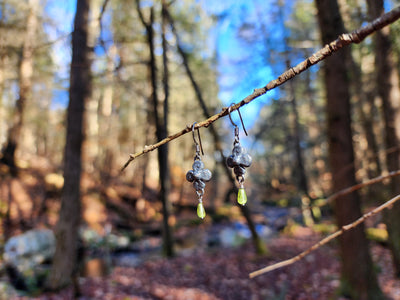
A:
{"x":327,"y":239}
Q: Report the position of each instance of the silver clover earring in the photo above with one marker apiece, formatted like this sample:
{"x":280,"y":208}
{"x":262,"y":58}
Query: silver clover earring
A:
{"x":239,"y":160}
{"x":198,"y":175}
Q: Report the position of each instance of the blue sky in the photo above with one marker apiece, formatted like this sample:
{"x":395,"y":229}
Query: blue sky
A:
{"x":236,"y":81}
{"x":238,"y":75}
{"x":62,"y":16}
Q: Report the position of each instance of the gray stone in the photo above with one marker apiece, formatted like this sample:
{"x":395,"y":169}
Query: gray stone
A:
{"x":230,"y":238}
{"x":30,"y":249}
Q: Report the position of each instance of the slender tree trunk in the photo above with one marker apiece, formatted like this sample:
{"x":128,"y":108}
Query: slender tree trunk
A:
{"x":314,"y":132}
{"x":2,"y":79}
{"x":25,"y":70}
{"x":106,"y":117}
{"x":258,"y":243}
{"x":369,"y":153}
{"x":300,"y":171}
{"x":362,"y":100}
{"x":92,"y":120}
{"x":161,"y":131}
{"x":65,"y":258}
{"x":389,"y":92}
{"x":366,"y":116}
{"x":358,"y":278}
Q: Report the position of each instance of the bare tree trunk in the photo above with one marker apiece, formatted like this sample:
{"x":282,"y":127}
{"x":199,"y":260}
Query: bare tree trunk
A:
{"x":161,"y":131}
{"x":300,"y":171}
{"x":106,"y":115}
{"x":358,"y":278}
{"x":314,"y":132}
{"x":368,"y":156}
{"x":389,"y":92}
{"x":25,"y":70}
{"x":2,"y":79}
{"x":65,"y":258}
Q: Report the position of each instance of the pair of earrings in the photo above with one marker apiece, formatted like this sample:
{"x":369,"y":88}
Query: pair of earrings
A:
{"x":238,"y":161}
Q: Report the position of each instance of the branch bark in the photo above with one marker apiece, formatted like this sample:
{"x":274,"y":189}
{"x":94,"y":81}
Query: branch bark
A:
{"x":335,"y":234}
{"x":356,"y":36}
{"x":326,"y":240}
{"x":356,"y":187}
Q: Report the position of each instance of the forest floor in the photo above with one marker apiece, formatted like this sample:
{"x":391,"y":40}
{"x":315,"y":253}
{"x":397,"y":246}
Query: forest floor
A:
{"x":203,"y":272}
{"x":223,"y":274}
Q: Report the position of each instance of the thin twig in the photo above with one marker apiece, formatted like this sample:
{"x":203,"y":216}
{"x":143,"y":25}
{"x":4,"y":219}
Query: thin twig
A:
{"x":353,"y":188}
{"x":50,"y":43}
{"x":99,"y":19}
{"x":356,"y":36}
{"x":326,"y":240}
{"x":103,"y":9}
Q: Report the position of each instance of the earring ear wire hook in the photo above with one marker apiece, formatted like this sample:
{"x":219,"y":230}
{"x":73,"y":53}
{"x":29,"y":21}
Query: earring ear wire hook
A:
{"x":194,"y":138}
{"x":240,"y":116}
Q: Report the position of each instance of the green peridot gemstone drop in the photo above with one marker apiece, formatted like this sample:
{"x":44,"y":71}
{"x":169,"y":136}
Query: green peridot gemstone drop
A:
{"x":242,"y":197}
{"x":201,"y":212}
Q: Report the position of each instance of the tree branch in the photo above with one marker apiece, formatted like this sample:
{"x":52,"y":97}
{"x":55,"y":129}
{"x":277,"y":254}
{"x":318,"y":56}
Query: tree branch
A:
{"x":356,"y":36}
{"x":353,"y":188}
{"x":326,"y":240}
{"x":103,"y":9}
{"x":99,"y":19}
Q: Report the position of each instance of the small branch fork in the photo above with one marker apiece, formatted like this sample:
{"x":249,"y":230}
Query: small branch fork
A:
{"x":327,"y":239}
{"x":353,"y":188}
{"x":356,"y":36}
{"x":324,"y":241}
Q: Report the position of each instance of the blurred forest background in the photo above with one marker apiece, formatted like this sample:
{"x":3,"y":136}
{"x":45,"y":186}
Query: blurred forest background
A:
{"x":139,"y":71}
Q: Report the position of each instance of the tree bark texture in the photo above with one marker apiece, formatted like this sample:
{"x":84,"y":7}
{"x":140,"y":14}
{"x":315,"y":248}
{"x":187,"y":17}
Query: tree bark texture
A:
{"x":299,"y":170}
{"x":162,"y":132}
{"x":358,"y":278}
{"x":25,"y":71}
{"x":160,"y":118}
{"x":387,"y":83}
{"x":364,"y":109}
{"x":65,"y":258}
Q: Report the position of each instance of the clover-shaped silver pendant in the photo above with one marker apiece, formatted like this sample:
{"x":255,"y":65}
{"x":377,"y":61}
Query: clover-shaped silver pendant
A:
{"x":239,"y":160}
{"x":198,"y":175}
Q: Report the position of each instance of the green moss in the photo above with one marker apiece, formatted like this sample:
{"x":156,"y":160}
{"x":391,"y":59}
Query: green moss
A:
{"x":316,"y":212}
{"x":379,"y":235}
{"x":262,"y":248}
{"x":283,"y":202}
{"x":324,"y":228}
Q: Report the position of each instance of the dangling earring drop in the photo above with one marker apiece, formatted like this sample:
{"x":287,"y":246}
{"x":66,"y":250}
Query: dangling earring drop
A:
{"x":239,"y":160}
{"x":198,"y":175}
